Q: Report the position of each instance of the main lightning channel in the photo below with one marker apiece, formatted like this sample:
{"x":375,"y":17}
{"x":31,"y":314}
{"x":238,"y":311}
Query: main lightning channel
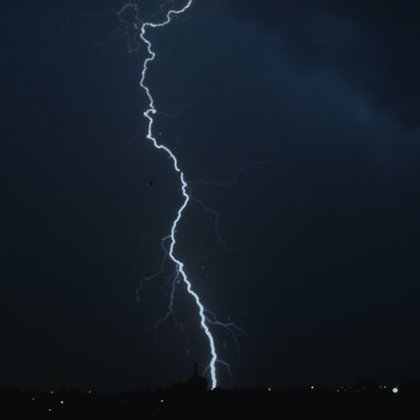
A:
{"x":149,"y":114}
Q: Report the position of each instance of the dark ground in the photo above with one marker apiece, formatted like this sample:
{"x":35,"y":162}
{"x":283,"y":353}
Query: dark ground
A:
{"x":186,"y":401}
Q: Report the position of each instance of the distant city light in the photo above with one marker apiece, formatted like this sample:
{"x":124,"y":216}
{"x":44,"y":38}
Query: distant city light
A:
{"x":395,"y":390}
{"x":33,"y":398}
{"x":61,"y":402}
{"x":312,"y":387}
{"x":269,"y":389}
{"x":162,"y":401}
{"x":51,"y":392}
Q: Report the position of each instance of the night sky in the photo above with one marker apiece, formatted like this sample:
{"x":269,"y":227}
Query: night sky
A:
{"x":307,"y":111}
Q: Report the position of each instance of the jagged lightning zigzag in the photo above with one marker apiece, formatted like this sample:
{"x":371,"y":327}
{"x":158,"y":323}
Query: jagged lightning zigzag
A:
{"x":149,"y":113}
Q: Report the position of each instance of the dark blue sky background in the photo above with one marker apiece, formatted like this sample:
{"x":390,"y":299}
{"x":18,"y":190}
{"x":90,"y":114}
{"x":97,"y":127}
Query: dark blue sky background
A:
{"x":317,"y":102}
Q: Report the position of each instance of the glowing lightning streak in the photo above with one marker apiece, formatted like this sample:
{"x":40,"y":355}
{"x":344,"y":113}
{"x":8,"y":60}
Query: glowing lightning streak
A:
{"x":149,"y":115}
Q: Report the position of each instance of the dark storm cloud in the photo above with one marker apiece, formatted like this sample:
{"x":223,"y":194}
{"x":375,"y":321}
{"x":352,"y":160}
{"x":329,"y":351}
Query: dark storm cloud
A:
{"x":375,"y":45}
{"x":322,"y":266}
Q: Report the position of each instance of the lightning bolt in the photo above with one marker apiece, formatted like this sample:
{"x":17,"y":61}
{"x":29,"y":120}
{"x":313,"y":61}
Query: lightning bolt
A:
{"x":149,"y":115}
